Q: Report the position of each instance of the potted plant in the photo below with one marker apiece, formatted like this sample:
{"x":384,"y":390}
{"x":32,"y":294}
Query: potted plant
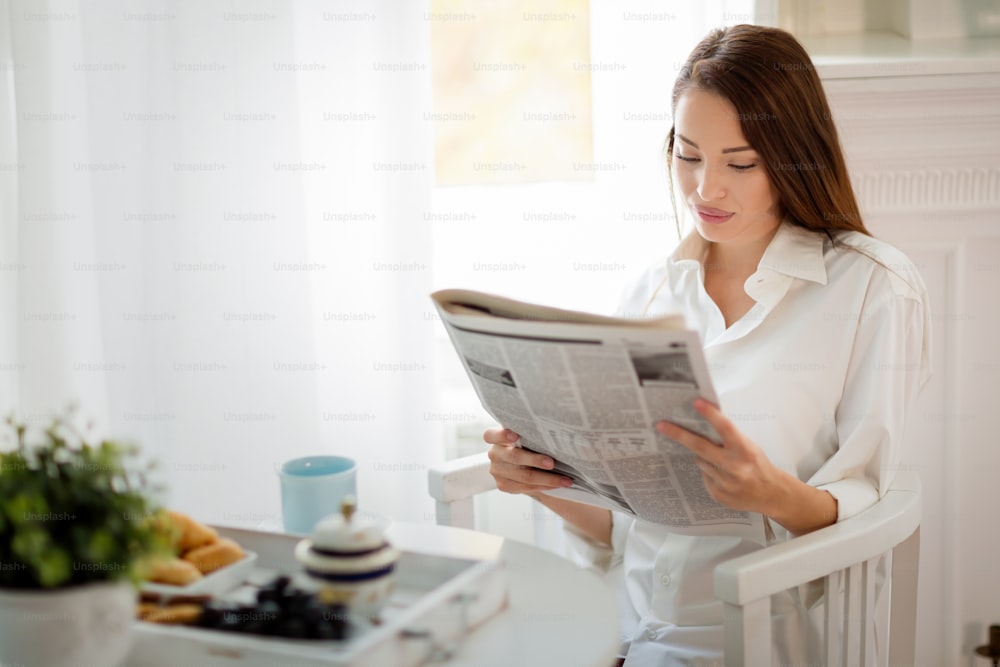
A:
{"x":77,"y":520}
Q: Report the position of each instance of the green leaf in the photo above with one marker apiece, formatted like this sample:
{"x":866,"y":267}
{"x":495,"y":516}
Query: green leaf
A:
{"x":30,"y":542}
{"x":54,"y":568}
{"x":102,"y":547}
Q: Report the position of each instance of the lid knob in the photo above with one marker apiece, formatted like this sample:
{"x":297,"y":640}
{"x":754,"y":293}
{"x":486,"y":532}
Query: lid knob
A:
{"x":348,"y":506}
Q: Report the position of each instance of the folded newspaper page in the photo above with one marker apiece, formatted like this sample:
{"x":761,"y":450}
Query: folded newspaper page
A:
{"x":586,"y":390}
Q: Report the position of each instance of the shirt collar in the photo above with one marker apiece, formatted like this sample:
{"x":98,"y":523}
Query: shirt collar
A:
{"x":797,"y":252}
{"x":794,"y":251}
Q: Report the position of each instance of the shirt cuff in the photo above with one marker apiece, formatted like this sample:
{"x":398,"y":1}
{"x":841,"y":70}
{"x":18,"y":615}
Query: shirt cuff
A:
{"x":589,"y":553}
{"x":853,"y":496}
{"x":620,"y":525}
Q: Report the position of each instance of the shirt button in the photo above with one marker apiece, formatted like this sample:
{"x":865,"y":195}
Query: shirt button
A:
{"x":665,"y":579}
{"x":651,"y":634}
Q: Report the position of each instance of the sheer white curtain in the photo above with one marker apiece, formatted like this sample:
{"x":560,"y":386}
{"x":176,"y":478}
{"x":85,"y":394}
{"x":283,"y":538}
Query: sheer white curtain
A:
{"x":213,"y":238}
{"x":215,"y":234}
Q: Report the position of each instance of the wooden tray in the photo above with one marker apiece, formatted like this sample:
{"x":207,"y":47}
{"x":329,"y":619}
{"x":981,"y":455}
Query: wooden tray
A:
{"x":436,"y":601}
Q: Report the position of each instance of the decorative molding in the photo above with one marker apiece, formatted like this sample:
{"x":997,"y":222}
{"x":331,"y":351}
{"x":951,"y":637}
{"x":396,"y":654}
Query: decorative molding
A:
{"x":928,"y":189}
{"x":921,"y":143}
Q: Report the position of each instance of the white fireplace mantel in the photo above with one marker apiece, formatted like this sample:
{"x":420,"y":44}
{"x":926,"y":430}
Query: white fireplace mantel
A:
{"x":885,"y":54}
{"x":920,"y":124}
{"x":920,"y":121}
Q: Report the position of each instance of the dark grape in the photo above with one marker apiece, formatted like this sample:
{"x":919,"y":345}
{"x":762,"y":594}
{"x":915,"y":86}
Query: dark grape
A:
{"x":298,"y":602}
{"x":211,"y":616}
{"x":291,"y":627}
{"x":270,"y":609}
{"x":280,"y":610}
{"x":335,"y":626}
{"x":268,"y":594}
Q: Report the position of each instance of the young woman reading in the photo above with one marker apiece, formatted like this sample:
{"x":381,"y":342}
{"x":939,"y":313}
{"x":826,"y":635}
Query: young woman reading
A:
{"x":816,"y":334}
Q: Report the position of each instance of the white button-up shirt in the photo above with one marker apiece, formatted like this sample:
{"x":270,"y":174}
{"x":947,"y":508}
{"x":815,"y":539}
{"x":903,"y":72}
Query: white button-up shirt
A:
{"x":820,"y":374}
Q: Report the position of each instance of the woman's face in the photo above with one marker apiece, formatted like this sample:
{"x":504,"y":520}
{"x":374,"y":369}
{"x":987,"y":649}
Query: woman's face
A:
{"x":722,"y":179}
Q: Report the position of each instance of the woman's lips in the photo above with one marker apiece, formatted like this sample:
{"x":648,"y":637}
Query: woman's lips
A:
{"x":713,"y":215}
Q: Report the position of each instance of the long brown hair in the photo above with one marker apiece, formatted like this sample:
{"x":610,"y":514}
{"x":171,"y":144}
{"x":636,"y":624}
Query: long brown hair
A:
{"x":784,"y":115}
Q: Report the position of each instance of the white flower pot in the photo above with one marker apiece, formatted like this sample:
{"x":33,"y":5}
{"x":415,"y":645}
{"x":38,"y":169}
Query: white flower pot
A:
{"x":82,"y":625}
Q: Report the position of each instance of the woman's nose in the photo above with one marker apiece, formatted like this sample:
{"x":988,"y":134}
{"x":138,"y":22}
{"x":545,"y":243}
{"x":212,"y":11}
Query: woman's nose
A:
{"x":711,"y":186}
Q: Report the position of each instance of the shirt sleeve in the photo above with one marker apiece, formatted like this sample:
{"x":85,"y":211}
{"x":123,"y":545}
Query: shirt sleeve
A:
{"x":888,"y":366}
{"x":589,"y":553}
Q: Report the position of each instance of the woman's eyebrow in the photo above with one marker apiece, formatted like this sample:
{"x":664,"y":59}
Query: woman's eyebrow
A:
{"x":737,"y":149}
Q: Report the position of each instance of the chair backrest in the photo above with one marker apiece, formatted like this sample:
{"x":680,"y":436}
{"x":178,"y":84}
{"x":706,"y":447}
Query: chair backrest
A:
{"x":868,"y":565}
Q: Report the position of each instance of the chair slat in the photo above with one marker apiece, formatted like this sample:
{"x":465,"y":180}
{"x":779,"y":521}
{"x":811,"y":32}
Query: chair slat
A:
{"x":833,"y":616}
{"x":853,"y":604}
{"x":748,"y":633}
{"x":866,"y":653}
{"x":905,"y":558}
{"x":884,"y":615}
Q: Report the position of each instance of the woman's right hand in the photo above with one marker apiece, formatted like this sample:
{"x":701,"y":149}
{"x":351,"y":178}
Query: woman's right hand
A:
{"x":518,"y":470}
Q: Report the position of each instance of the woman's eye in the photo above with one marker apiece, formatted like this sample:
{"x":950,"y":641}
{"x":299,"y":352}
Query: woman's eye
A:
{"x":743,"y":167}
{"x":685,"y":158}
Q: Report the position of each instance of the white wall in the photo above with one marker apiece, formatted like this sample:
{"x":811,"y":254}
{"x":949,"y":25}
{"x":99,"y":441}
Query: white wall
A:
{"x":924,"y":151}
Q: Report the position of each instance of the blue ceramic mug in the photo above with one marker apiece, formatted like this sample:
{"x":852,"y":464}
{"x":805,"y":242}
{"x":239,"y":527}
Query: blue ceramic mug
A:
{"x":312,"y":488}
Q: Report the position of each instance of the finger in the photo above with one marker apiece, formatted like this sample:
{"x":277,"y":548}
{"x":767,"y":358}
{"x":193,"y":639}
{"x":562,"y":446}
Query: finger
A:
{"x":510,"y":486}
{"x":514,"y":478}
{"x":505,"y":453}
{"x":723,"y":426}
{"x":534,"y":477}
{"x":711,"y":472}
{"x":702,"y":447}
{"x":500,"y":436}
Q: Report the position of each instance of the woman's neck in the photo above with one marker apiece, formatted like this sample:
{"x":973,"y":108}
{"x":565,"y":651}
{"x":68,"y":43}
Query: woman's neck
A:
{"x":736,"y":259}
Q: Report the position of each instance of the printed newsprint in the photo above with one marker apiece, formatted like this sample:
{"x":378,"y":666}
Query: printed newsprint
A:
{"x":586,"y":390}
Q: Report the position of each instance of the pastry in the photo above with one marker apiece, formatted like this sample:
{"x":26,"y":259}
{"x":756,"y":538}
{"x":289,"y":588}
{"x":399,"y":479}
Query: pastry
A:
{"x":211,"y":557}
{"x":190,"y":533}
{"x":173,"y":571}
{"x":144,"y":609}
{"x":171,"y":614}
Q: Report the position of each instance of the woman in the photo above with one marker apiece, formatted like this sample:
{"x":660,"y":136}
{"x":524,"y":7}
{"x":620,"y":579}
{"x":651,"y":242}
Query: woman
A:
{"x":816,"y":334}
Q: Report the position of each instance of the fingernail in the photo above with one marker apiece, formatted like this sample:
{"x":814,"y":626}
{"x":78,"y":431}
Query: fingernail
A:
{"x":511,"y":436}
{"x":567,"y":482}
{"x":548,"y":464}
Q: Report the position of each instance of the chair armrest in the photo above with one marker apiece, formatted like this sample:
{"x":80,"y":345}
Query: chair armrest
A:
{"x":460,"y":478}
{"x":453,"y":485}
{"x":883,"y":526}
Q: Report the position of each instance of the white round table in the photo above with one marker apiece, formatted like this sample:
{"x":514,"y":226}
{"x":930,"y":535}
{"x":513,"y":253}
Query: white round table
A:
{"x":558,"y":614}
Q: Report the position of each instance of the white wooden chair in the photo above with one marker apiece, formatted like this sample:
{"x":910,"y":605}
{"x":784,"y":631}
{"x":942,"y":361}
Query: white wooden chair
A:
{"x":846,"y":556}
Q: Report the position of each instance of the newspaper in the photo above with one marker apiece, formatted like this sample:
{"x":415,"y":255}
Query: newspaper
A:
{"x":586,"y":390}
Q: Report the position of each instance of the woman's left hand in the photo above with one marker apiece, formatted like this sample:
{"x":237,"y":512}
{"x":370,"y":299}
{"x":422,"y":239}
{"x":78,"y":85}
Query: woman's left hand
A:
{"x":737,"y":473}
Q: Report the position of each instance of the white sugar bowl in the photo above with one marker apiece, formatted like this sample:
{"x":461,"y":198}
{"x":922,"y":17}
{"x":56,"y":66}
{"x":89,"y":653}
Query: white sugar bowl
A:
{"x":351,"y":560}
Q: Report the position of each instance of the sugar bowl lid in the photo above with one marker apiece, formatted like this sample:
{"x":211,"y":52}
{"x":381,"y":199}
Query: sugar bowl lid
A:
{"x":346,"y":544}
{"x":347,"y":531}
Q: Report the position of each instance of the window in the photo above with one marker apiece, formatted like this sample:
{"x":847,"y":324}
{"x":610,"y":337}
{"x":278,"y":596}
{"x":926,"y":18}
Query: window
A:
{"x":512,"y":95}
{"x":567,"y":237}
